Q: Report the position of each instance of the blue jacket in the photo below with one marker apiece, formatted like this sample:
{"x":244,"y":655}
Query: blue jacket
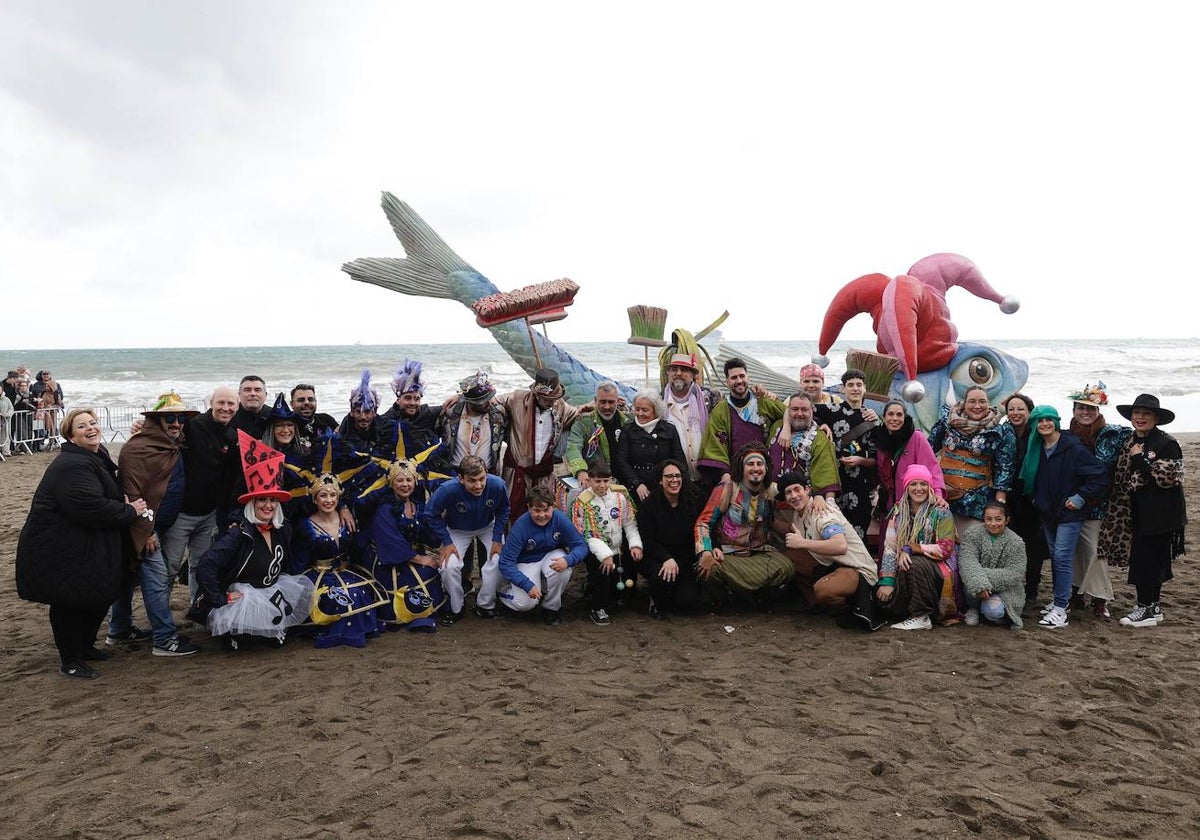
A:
{"x":527,"y":543}
{"x":452,"y":506}
{"x":1071,"y":470}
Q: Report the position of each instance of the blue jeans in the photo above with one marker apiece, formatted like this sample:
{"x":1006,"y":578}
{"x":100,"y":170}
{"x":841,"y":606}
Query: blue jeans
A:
{"x":1061,"y":538}
{"x":156,"y":583}
{"x":991,"y":609}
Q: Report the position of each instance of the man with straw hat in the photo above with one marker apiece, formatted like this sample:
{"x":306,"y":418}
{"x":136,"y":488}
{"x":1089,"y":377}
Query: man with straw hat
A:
{"x":151,"y":467}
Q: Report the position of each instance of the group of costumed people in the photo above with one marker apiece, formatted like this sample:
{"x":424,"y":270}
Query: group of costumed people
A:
{"x":343,"y":534}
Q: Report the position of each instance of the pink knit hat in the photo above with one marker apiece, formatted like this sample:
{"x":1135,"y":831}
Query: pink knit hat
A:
{"x":917,"y":472}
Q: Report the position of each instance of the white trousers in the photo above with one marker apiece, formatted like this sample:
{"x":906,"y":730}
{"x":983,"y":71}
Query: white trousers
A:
{"x":452,"y":571}
{"x":552,"y":583}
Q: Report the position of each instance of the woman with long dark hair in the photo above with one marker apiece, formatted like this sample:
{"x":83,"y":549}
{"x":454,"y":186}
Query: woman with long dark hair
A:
{"x":1024,"y":519}
{"x":667,"y":522}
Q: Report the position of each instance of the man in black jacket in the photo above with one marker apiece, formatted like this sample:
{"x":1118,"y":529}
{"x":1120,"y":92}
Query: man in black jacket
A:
{"x":211,"y":466}
{"x":313,"y":424}
{"x":252,"y":410}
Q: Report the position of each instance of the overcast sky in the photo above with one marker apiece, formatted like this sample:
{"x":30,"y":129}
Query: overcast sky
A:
{"x":164,"y":165}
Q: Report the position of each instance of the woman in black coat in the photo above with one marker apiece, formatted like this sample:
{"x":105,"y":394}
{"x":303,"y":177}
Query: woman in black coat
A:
{"x":667,"y":524}
{"x":73,"y":546}
{"x":644,"y":443}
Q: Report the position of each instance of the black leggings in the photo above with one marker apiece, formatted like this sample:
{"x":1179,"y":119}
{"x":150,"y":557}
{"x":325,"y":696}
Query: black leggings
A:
{"x":75,"y":629}
{"x":1150,"y":565}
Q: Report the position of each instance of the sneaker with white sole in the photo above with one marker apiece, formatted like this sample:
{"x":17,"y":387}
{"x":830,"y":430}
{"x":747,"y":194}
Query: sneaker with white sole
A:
{"x":1144,"y":615}
{"x":1055,"y":619}
{"x":914,"y":623}
{"x":599,"y":617}
{"x":176,"y":646}
{"x":1049,"y":607}
{"x":971,"y":617}
{"x":133,"y":634}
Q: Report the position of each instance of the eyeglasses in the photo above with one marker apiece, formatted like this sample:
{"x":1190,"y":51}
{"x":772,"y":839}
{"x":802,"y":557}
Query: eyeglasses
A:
{"x":672,"y":477}
{"x":173,"y":418}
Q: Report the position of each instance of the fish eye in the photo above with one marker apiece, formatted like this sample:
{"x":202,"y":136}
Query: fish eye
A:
{"x":979,"y":369}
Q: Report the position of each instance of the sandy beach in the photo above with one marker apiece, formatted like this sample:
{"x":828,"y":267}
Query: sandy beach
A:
{"x":785,"y":727}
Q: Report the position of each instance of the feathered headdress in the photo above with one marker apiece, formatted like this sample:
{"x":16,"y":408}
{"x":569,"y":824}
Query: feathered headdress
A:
{"x":364,"y":396}
{"x":408,"y":378}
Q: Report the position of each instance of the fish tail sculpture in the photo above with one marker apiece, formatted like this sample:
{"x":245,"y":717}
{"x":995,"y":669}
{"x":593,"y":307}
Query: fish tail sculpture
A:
{"x":432,"y":269}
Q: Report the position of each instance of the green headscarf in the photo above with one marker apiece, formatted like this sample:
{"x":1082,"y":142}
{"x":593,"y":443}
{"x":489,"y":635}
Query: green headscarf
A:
{"x":1029,"y":467}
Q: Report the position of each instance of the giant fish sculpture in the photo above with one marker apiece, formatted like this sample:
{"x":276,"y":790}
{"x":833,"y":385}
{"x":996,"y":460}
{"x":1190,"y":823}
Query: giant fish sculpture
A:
{"x":912,"y":324}
{"x":911,"y":320}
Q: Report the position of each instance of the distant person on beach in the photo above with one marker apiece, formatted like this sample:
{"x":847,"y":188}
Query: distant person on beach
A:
{"x":151,"y":467}
{"x":25,"y":408}
{"x":834,"y":569}
{"x":795,"y":444}
{"x":977,"y":454}
{"x":47,"y":389}
{"x":313,"y":424}
{"x":473,"y":426}
{"x":1090,"y":577}
{"x":687,"y":405}
{"x":1024,"y":518}
{"x":593,"y":437}
{"x":991,"y":562}
{"x":1147,"y":511}
{"x":6,"y":413}
{"x":667,"y":525}
{"x":732,"y":539}
{"x":471,"y":509}
{"x":918,"y":575}
{"x":537,"y":417}
{"x":536,"y":560}
{"x":604,"y":515}
{"x":741,"y":418}
{"x":10,"y":384}
{"x":252,"y":406}
{"x":210,"y":465}
{"x":73,"y":545}
{"x":646,"y":441}
{"x":1065,"y":478}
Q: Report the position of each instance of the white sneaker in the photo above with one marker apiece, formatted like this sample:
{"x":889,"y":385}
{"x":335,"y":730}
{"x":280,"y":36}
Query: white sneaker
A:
{"x":1055,"y":618}
{"x":1148,"y":615}
{"x":922,"y":623}
{"x":971,"y":617}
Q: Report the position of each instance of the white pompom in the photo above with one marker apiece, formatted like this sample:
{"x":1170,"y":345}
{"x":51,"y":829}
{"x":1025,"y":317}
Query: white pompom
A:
{"x":1010,"y":305}
{"x":820,"y":360}
{"x":912,"y":391}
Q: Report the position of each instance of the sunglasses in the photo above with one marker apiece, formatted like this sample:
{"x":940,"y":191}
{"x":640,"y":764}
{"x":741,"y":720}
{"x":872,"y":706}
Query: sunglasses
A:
{"x":173,"y":418}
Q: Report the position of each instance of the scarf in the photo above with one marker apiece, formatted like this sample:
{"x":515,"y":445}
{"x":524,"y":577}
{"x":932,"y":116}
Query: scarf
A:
{"x":967,"y":427}
{"x":748,"y":411}
{"x":1088,"y":434}
{"x":1033,"y":454}
{"x":647,"y":427}
{"x":801,"y":445}
{"x":697,"y":405}
{"x":894,"y":442}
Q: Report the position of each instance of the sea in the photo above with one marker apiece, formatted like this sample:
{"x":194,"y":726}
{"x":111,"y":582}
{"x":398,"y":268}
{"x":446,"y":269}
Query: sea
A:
{"x":1168,"y":368}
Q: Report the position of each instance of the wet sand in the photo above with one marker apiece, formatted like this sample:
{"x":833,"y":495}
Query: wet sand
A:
{"x":784,"y":727}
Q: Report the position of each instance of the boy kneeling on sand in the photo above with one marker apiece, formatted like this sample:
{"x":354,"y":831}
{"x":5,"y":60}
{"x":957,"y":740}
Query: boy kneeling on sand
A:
{"x":604,"y":515}
{"x":542,"y":548}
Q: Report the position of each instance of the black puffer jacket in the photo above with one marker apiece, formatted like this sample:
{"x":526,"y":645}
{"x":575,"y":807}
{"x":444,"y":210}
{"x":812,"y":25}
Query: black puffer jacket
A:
{"x":75,"y":541}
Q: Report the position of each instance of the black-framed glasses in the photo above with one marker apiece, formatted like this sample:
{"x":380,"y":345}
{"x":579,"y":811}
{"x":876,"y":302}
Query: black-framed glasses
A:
{"x":672,"y":477}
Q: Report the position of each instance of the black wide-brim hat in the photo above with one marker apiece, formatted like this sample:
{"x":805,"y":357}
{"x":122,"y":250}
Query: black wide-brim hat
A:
{"x":1150,"y":403}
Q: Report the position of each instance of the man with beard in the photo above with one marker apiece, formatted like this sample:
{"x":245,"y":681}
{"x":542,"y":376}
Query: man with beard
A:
{"x":252,"y":410}
{"x":363,"y":428}
{"x":687,"y":405}
{"x":594,"y":437}
{"x":538,"y":417}
{"x":424,"y":421}
{"x":739,"y":419}
{"x":312,"y":424}
{"x":796,"y":444}
{"x":151,"y":467}
{"x":732,"y":548}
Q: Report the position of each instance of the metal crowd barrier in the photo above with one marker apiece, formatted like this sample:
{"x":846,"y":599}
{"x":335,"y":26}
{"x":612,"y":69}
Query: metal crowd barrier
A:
{"x":118,"y":418}
{"x":35,"y":430}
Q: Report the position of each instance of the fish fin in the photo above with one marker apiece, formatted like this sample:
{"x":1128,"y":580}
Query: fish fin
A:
{"x":760,"y":374}
{"x":425,"y":271}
